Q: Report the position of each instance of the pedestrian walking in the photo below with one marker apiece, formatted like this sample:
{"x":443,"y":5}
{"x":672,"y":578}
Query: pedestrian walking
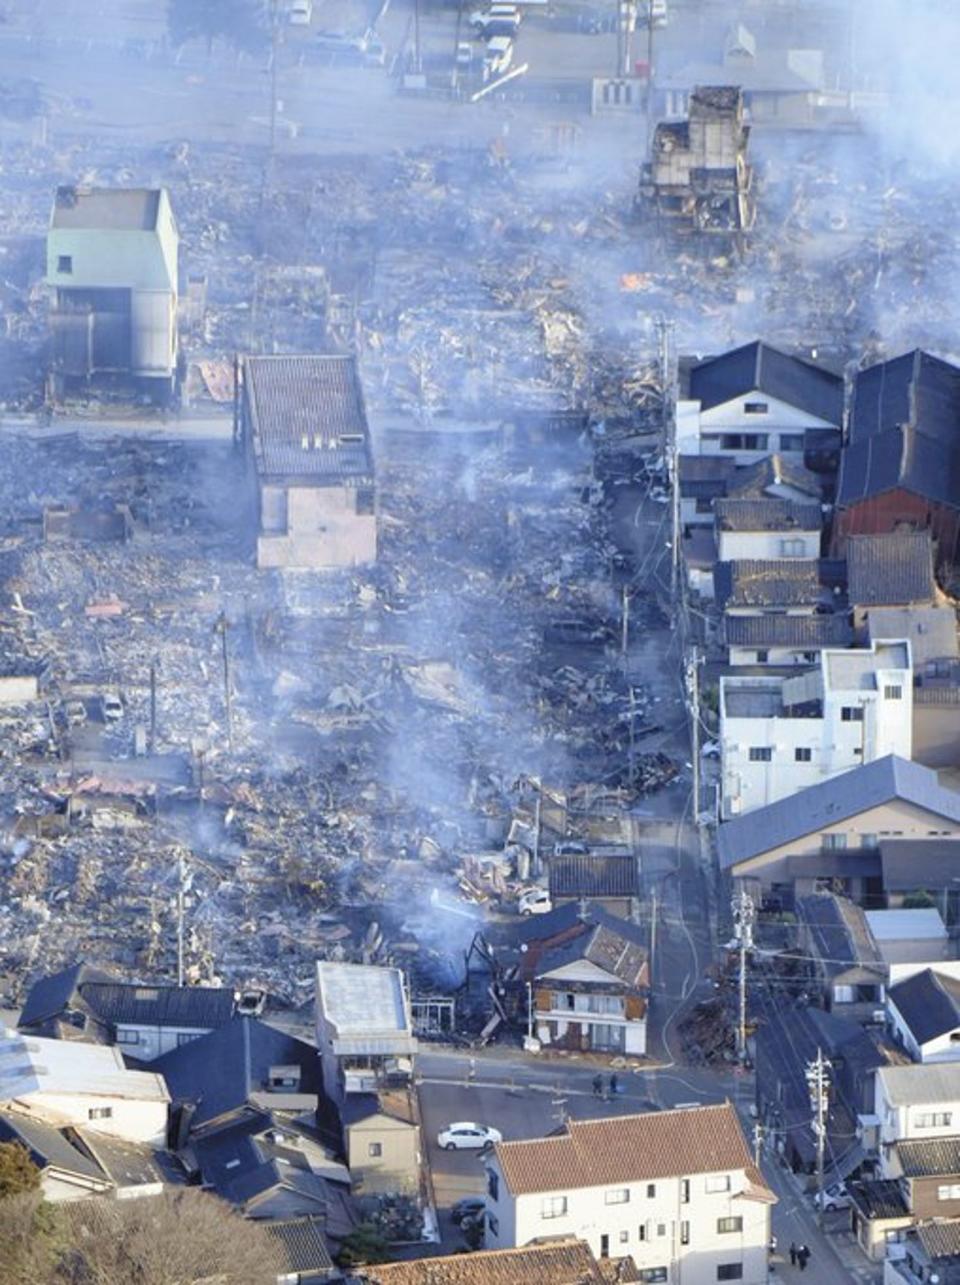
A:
{"x":803,"y":1257}
{"x":598,"y":1086}
{"x":793,"y":1253}
{"x":614,"y":1085}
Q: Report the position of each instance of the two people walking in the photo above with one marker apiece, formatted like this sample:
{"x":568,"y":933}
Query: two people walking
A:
{"x":799,"y":1256}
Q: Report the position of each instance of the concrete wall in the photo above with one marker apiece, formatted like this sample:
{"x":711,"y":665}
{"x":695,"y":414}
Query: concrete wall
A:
{"x":936,"y":734}
{"x":397,"y":1168}
{"x":323,"y":529}
{"x":18,"y":691}
{"x":136,"y":1121}
{"x":783,"y":426}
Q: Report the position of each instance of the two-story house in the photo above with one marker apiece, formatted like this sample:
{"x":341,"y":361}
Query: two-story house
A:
{"x":833,"y":932}
{"x":766,"y":529}
{"x":676,"y":1190}
{"x":145,"y":1020}
{"x":829,"y":836}
{"x":81,"y":1084}
{"x":781,"y":735}
{"x":756,"y":400}
{"x":367,"y":1051}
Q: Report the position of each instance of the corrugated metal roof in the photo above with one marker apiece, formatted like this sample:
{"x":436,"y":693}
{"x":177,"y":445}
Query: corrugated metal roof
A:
{"x":308,"y":417}
{"x":920,"y":1083}
{"x":594,"y":875}
{"x":30,"y":1064}
{"x":833,"y":801}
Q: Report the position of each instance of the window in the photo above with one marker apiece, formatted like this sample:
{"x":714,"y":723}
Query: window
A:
{"x":755,"y":408}
{"x":803,"y":754}
{"x":493,"y":1185}
{"x":684,"y":1191}
{"x":184,"y":1037}
{"x":762,"y":657}
{"x":365,"y":499}
{"x":743,"y":441}
{"x":651,"y":1190}
{"x":792,"y":548}
{"x":933,"y":1119}
{"x":374,"y":1149}
{"x":760,"y":754}
{"x":729,"y":1224}
{"x":717,"y":1182}
{"x":791,"y":441}
{"x":642,"y":1232}
{"x":730,"y":1272}
{"x":128,"y":1037}
{"x":65,"y":263}
{"x":100,"y":1113}
{"x":684,"y":1233}
{"x":949,"y":1191}
{"x":893,"y":693}
{"x":604,"y":1246}
{"x":851,"y":714}
{"x":661,"y":1229}
{"x":494,"y":1224}
{"x":833,"y":842}
{"x":624,"y":1237}
{"x":654,"y":1274}
{"x":618,"y":1196}
{"x":868,"y":841}
{"x":553,"y":1207}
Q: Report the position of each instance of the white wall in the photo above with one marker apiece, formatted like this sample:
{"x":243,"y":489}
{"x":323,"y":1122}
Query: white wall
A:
{"x":698,"y":430}
{"x":323,"y":530}
{"x":733,"y":546}
{"x":130,"y":1118}
{"x":661,"y":1216}
{"x":776,"y":656}
{"x":153,"y":1041}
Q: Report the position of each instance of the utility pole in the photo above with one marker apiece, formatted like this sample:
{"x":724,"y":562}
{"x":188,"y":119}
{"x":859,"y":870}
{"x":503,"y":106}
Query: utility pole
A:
{"x":181,"y":893}
{"x":693,"y":682}
{"x":818,"y":1082}
{"x":221,"y":627}
{"x":153,"y":704}
{"x":653,"y":930}
{"x":529,"y":1010}
{"x":757,"y":1142}
{"x":625,"y":624}
{"x":648,"y":107}
{"x":671,"y":452}
{"x":743,"y":916}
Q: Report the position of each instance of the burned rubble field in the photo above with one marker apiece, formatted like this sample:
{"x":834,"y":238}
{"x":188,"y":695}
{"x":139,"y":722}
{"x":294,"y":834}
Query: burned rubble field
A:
{"x":384,"y":721}
{"x":475,"y":282}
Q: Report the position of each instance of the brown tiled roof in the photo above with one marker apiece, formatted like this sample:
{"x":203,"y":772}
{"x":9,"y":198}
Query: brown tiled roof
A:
{"x":567,"y":1262}
{"x":633,"y":1148}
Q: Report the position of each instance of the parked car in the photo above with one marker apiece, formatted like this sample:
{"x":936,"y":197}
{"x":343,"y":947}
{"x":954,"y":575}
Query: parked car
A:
{"x":535,"y":902}
{"x":301,"y":11}
{"x":834,"y":1197}
{"x":76,"y":713}
{"x":338,"y":42}
{"x":112,"y":708}
{"x":464,"y":1135}
{"x":469,"y":1207}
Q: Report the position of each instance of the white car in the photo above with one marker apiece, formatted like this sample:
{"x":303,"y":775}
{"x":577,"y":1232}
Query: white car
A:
{"x":467,"y":1136}
{"x":834,"y":1197}
{"x":535,"y":902}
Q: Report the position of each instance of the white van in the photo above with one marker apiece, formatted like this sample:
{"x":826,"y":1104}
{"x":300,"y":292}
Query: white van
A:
{"x":301,"y":12}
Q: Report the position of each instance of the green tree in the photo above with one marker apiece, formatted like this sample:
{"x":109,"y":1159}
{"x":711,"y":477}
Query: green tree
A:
{"x":32,"y":1236}
{"x":245,"y":24}
{"x":18,"y":1173}
{"x":919,"y":899}
{"x":365,"y":1244}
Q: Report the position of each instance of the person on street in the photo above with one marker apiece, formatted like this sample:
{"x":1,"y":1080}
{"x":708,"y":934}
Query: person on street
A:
{"x":598,"y":1086}
{"x":614,"y":1085}
{"x":803,"y":1256}
{"x":793,"y":1253}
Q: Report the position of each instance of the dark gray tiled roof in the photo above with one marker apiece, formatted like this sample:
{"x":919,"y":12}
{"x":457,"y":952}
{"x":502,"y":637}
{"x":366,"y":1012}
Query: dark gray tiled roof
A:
{"x":941,"y":1238}
{"x":900,"y":459}
{"x":47,"y":1146}
{"x":121,"y":1003}
{"x":604,"y":946}
{"x":839,"y":932}
{"x":929,"y":1157}
{"x":128,"y":1164}
{"x":767,"y":514}
{"x":302,"y":1243}
{"x":221,"y":1070}
{"x":807,"y":632}
{"x":758,"y":366}
{"x":776,"y":582}
{"x":915,"y":390}
{"x":593,"y":875}
{"x":833,"y":801}
{"x":889,"y":570}
{"x":929,"y":1003}
{"x":50,"y":996}
{"x":774,"y":470}
{"x":882,"y":1199}
{"x":309,"y":418}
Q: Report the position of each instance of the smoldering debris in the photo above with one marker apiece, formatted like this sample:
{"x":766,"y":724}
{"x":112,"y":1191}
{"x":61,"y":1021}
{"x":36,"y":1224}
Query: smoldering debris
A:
{"x":405,"y":739}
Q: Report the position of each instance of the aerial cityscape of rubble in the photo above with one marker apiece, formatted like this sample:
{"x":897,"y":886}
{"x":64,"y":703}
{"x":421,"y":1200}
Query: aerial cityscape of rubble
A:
{"x":479,"y":662}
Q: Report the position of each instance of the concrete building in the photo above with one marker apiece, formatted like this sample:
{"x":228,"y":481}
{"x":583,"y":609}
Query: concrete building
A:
{"x":676,"y":1190}
{"x":81,"y":1084}
{"x":755,"y":401}
{"x":367,"y":1051}
{"x":781,"y":735}
{"x":304,"y":423}
{"x":698,"y":181}
{"x":112,"y":264}
{"x":830,"y":835}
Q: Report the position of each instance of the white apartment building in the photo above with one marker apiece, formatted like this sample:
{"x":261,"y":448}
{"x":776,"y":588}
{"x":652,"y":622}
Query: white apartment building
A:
{"x":754,"y":401}
{"x":71,"y":1083}
{"x":676,"y":1190}
{"x":782,"y":735}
